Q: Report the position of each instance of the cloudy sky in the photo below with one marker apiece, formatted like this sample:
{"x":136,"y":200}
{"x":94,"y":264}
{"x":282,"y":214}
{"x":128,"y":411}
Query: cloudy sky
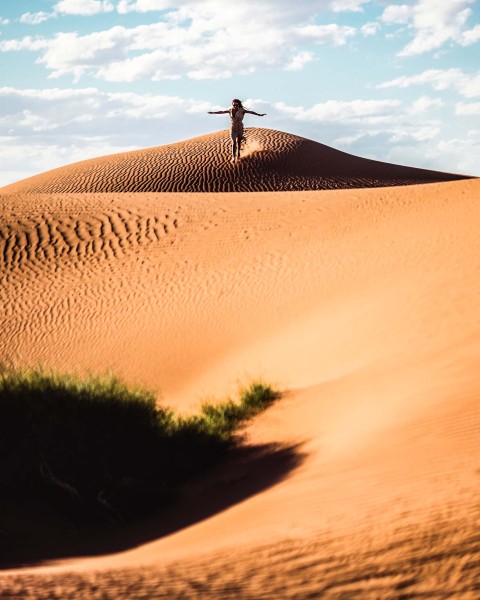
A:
{"x":398,"y":82}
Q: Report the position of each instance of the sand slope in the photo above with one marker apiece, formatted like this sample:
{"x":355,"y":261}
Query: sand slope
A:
{"x":272,"y":161}
{"x":362,"y":303}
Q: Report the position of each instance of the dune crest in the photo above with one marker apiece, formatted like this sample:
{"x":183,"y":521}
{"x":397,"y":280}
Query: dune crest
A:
{"x":272,"y":161}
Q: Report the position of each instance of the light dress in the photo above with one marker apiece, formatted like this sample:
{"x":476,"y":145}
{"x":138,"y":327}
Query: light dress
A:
{"x":236,"y":123}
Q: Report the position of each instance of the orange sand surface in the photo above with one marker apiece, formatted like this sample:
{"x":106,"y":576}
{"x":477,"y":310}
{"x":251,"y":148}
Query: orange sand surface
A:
{"x":361,"y":303}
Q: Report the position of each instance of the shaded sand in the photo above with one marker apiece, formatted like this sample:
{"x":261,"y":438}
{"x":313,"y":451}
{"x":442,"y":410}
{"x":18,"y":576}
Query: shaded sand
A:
{"x":271,"y":161}
{"x":362,"y":303}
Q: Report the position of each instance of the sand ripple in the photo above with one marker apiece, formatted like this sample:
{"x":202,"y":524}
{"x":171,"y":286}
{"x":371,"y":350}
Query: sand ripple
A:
{"x":297,"y":569}
{"x":44,"y":240}
{"x":59,"y":261}
{"x":272,"y":161}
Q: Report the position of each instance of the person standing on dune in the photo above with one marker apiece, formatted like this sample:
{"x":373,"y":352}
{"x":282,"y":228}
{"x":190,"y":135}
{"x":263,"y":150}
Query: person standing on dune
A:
{"x":236,"y":112}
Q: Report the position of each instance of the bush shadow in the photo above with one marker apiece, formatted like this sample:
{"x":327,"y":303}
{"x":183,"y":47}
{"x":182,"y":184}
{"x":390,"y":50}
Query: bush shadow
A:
{"x":245,"y":472}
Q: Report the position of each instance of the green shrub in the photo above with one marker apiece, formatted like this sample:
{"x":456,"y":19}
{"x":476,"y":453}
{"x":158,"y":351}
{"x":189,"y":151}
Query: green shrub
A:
{"x":99,"y":449}
{"x":223,"y":419}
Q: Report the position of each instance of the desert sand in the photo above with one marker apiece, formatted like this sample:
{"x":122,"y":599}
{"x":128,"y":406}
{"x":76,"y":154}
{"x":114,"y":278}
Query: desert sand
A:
{"x":326,"y":275}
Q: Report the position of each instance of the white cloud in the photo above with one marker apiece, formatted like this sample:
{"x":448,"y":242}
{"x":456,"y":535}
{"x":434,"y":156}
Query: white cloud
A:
{"x":370,"y":29}
{"x":467,"y":109}
{"x":145,"y":106}
{"x":27,"y":43}
{"x":76,"y":54}
{"x":470,"y":37}
{"x":126,"y":6}
{"x":463,"y":152}
{"x":323,"y":34}
{"x":35,"y":18}
{"x":153,"y":65}
{"x":4,"y":21}
{"x":26,"y":109}
{"x":35,"y":122}
{"x":467,"y":85}
{"x":398,"y":14}
{"x":38,"y":158}
{"x":197,"y":41}
{"x":348,"y":5}
{"x":420,"y":134}
{"x":470,"y":87}
{"x":298,"y":61}
{"x":425,"y":103}
{"x":436,"y":23}
{"x":306,"y":7}
{"x":438,"y":78}
{"x":341,"y":111}
{"x":83,"y":7}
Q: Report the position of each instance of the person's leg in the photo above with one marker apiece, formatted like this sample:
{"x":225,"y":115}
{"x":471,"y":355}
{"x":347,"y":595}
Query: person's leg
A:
{"x":233,"y":136}
{"x":239,"y":139}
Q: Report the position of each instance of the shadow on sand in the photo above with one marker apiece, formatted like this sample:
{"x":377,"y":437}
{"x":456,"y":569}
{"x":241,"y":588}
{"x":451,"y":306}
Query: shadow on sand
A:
{"x":246,"y":472}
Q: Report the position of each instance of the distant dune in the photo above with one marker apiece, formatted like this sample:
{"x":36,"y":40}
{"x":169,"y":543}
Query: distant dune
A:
{"x":272,"y":161}
{"x":361,"y":303}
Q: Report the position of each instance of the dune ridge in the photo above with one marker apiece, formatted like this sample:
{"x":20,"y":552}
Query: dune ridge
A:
{"x":272,"y":161}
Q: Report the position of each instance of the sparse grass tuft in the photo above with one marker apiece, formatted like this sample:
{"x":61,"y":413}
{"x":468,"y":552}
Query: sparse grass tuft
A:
{"x":225,"y":418}
{"x":98,"y":449}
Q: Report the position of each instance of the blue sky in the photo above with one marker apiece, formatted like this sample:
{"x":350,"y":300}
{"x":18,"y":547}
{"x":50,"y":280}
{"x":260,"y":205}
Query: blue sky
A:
{"x":398,"y":82}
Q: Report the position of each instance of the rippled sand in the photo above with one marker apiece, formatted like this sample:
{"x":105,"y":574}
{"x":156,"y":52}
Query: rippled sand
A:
{"x":271,"y":161}
{"x":360,"y":303}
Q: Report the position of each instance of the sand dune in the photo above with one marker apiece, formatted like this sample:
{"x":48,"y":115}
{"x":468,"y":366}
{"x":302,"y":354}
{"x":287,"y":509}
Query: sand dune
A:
{"x":272,"y":161}
{"x":361,"y":303}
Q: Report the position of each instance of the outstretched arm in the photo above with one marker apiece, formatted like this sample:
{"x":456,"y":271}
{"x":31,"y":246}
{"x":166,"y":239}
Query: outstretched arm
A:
{"x":217,"y":112}
{"x":252,"y":112}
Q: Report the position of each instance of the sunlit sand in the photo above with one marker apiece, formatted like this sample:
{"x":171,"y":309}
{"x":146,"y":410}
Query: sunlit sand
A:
{"x":350,"y":284}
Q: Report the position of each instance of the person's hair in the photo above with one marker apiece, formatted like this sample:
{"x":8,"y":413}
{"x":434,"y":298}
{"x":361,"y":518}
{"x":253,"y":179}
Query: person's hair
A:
{"x":239,"y":102}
